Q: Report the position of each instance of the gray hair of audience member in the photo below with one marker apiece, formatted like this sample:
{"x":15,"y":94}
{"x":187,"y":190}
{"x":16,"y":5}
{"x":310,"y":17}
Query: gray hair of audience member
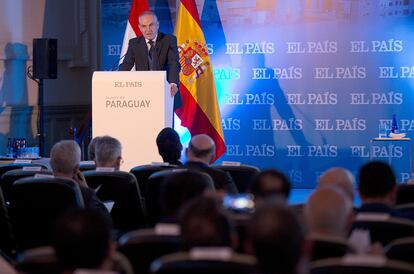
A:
{"x":340,"y":178}
{"x":277,"y":238}
{"x":91,"y":148}
{"x":201,"y":148}
{"x":328,"y":211}
{"x":65,"y":157}
{"x":108,"y":151}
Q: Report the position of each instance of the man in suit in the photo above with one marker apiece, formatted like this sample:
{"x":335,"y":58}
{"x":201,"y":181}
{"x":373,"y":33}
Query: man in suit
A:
{"x":200,"y":154}
{"x":154,"y":51}
{"x":64,"y":159}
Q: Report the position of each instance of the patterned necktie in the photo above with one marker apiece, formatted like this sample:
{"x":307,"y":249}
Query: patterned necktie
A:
{"x":152,"y":56}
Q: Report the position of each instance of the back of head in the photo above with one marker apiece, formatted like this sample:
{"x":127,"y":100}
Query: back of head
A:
{"x":169,"y":145}
{"x":328,"y":212}
{"x":81,"y":239}
{"x":108,"y":152}
{"x":65,"y":158}
{"x":91,"y":148}
{"x":180,"y":187}
{"x":201,"y":148}
{"x":376,"y":180}
{"x":340,"y":178}
{"x":277,"y":238}
{"x":270,"y":182}
{"x":204,"y":223}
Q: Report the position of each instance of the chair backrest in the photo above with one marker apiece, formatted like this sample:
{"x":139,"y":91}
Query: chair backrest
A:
{"x":34,"y":205}
{"x":43,"y":260}
{"x":329,"y":247}
{"x":142,"y":247}
{"x":121,"y":189}
{"x":401,"y":250}
{"x":154,"y":187}
{"x":142,"y":173}
{"x":87,"y":165}
{"x":8,"y":178}
{"x":212,"y":261}
{"x":6,"y":167}
{"x":384,"y":228}
{"x":405,"y":194}
{"x":241,"y":174}
{"x":360,"y":264}
{"x":7,"y":244}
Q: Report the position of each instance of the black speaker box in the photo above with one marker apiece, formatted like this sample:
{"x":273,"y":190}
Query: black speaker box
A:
{"x":45,"y":58}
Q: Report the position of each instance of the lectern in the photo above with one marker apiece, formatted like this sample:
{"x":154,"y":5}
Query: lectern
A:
{"x":132,"y":106}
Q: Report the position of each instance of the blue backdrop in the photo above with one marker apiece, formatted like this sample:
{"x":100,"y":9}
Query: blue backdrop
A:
{"x":303,"y":85}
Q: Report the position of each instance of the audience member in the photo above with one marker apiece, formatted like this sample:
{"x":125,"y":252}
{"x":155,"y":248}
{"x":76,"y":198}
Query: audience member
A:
{"x":178,"y":189}
{"x":108,"y":152}
{"x":269,"y":184}
{"x":377,"y":188}
{"x":64,"y":160}
{"x":328,"y":212}
{"x":340,"y":178}
{"x":277,"y":239}
{"x":169,"y":146}
{"x":204,"y":224}
{"x":91,"y":148}
{"x":200,"y":154}
{"x":82,"y":240}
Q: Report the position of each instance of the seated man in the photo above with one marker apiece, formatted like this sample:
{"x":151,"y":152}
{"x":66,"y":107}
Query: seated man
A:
{"x":277,"y":239}
{"x":340,"y":178}
{"x":270,"y":184}
{"x":200,"y":154}
{"x":204,"y":224}
{"x":328,"y":212}
{"x":378,"y":190}
{"x":169,"y":146}
{"x":108,"y":152}
{"x":64,"y":160}
{"x":91,"y":148}
{"x":178,"y":189}
{"x":82,"y":240}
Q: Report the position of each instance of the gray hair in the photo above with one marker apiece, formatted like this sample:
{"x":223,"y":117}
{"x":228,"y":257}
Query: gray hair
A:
{"x":107,"y":151}
{"x":65,"y":156}
{"x":148,"y":12}
{"x":91,"y":148}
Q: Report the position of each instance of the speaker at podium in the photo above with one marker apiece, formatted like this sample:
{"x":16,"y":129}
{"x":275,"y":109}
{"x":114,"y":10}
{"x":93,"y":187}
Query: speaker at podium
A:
{"x":132,"y":106}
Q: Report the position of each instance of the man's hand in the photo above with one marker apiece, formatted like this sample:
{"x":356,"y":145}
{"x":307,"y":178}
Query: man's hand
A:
{"x":173,"y":89}
{"x":80,"y":179}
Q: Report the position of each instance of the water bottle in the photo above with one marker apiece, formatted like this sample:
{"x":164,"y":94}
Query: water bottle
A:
{"x":17,"y":147}
{"x":394,"y":125}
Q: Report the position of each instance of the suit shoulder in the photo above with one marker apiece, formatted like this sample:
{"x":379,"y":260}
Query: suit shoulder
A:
{"x":135,"y":40}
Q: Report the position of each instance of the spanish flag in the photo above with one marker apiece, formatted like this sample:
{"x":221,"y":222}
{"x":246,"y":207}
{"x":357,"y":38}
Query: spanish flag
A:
{"x":200,"y":112}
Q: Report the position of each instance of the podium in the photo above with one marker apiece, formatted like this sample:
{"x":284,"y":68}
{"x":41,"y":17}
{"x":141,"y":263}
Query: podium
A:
{"x":132,"y":106}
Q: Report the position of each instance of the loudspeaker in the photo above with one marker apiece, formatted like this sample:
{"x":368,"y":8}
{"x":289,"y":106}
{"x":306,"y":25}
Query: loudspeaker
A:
{"x":44,"y":58}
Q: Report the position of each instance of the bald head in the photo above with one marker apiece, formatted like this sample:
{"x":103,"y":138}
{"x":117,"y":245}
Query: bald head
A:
{"x":340,"y":178}
{"x":328,"y":212}
{"x":201,"y":148}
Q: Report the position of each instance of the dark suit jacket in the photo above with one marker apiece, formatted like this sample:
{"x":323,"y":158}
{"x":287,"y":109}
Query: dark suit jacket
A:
{"x":382,"y":208}
{"x":222,"y":180}
{"x":91,"y":201}
{"x":167,"y":51}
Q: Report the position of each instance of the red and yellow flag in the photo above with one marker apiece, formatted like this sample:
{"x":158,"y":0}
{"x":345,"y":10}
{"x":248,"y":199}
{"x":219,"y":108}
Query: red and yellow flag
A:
{"x":200,"y":112}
